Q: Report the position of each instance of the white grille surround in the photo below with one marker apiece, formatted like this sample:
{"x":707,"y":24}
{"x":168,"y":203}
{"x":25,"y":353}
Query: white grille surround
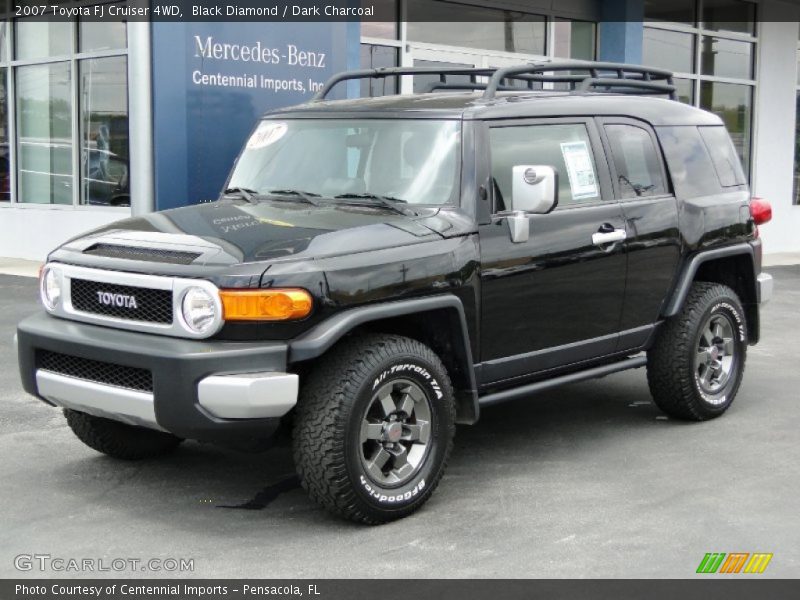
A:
{"x":178,"y":286}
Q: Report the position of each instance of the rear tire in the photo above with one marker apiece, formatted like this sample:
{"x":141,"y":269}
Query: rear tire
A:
{"x":374,"y":428}
{"x":119,"y":440}
{"x":696,"y":364}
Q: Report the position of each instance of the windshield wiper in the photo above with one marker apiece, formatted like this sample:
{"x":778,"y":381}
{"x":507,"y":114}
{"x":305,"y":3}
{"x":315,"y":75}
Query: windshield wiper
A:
{"x":307,"y":197}
{"x":242,"y":192}
{"x":387,"y":202}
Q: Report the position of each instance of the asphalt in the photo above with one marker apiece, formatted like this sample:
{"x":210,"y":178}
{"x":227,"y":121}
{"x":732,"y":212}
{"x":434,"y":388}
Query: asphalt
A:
{"x":589,"y":480}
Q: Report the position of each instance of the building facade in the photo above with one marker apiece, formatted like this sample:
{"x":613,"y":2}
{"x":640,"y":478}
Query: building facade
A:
{"x":103,"y":121}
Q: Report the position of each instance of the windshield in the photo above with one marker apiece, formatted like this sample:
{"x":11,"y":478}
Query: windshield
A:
{"x":411,"y":160}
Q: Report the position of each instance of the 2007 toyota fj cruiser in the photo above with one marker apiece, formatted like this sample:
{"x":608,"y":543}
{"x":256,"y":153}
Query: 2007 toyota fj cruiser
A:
{"x":376,"y":270}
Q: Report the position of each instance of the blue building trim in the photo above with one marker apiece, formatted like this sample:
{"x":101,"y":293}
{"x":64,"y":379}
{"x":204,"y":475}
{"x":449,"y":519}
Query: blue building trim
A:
{"x":212,"y":81}
{"x":621,"y":31}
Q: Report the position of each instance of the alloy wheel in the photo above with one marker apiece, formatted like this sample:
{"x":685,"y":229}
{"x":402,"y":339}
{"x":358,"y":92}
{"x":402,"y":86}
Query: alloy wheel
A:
{"x":396,"y":432}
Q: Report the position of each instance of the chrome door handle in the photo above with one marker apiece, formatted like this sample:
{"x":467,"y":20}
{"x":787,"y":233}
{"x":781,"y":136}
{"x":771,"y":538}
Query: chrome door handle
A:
{"x":599,"y":239}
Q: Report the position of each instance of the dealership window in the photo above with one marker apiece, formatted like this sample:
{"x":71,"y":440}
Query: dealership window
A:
{"x":574,"y":39}
{"x":64,"y":138}
{"x":710,"y":45}
{"x":483,"y":37}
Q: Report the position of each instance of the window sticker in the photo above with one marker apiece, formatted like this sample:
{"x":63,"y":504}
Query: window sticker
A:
{"x":266,"y":134}
{"x":582,"y":180}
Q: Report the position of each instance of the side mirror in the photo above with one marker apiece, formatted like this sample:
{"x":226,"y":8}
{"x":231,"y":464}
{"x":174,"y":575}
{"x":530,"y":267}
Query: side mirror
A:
{"x":534,"y":190}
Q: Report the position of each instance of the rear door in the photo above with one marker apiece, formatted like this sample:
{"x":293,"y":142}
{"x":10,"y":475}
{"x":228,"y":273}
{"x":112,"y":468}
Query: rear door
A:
{"x":555,"y":299}
{"x":650,"y":211}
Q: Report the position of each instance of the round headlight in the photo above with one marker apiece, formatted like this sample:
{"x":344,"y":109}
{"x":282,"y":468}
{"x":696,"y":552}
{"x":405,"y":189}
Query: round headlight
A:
{"x":50,"y":287}
{"x":199,"y":310}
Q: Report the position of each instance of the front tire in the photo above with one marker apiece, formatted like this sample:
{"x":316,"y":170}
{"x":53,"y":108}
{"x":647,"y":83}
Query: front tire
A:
{"x":696,"y":364}
{"x":374,"y":428}
{"x":119,"y":440}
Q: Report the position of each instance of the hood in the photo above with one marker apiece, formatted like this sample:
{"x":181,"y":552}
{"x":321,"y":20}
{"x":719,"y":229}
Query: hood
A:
{"x":235,"y":232}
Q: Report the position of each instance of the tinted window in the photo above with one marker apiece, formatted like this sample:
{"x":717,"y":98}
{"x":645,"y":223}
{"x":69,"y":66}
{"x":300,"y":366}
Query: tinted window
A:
{"x":723,"y":155}
{"x":565,"y":147}
{"x":636,"y":161}
{"x":689,"y":163}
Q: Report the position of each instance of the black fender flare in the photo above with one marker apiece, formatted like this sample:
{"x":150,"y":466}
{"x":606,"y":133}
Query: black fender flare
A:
{"x":681,"y":290}
{"x":322,"y":337}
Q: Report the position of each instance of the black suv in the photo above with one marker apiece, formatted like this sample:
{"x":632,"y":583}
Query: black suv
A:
{"x":377,"y":270}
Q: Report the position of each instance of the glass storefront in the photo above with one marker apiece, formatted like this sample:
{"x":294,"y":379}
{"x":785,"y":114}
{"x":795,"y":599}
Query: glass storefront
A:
{"x":44,"y":133}
{"x":64,"y":136}
{"x":483,"y":37}
{"x":711,"y":46}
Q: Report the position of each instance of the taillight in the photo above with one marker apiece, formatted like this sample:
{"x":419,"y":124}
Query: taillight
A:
{"x":760,"y":210}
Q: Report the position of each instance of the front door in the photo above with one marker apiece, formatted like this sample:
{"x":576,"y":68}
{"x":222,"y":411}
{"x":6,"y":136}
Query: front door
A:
{"x":555,"y":299}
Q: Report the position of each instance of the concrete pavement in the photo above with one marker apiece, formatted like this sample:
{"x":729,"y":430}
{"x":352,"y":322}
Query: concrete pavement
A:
{"x":589,"y":480}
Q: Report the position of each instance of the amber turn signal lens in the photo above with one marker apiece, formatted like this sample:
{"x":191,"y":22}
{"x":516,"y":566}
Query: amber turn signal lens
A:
{"x":265,"y":305}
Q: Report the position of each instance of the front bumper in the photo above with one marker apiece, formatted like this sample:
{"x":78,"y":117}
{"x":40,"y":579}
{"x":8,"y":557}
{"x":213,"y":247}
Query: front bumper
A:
{"x":205,"y":390}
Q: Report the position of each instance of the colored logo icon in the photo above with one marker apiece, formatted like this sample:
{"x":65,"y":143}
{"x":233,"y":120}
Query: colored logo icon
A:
{"x":735,"y":562}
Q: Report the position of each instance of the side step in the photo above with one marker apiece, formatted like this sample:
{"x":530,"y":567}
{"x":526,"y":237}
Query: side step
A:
{"x":512,"y":394}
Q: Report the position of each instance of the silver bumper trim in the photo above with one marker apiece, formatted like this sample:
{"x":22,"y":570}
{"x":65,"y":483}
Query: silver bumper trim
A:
{"x":120,"y":404}
{"x":249,"y":395}
{"x":764,"y":284}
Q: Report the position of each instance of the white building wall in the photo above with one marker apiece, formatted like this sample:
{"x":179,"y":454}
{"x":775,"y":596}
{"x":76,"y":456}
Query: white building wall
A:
{"x":775,"y":108}
{"x":30,"y":232}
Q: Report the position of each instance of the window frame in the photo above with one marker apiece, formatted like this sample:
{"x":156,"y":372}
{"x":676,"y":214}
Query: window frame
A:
{"x":699,"y":31}
{"x":602,"y":122}
{"x":74,"y":57}
{"x":595,"y":145}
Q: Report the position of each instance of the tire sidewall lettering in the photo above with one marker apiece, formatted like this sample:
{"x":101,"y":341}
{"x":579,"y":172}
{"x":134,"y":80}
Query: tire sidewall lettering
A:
{"x":734,"y":312}
{"x":405,"y":369}
{"x":384,"y":498}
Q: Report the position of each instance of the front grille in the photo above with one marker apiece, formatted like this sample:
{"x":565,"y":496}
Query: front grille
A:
{"x":122,"y":301}
{"x":131,"y":378}
{"x":173,"y":257}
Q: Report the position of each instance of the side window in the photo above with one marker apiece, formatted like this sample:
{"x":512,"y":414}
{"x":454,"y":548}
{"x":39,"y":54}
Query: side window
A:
{"x":689,"y":162}
{"x":565,"y":147}
{"x":723,"y":155}
{"x":636,"y":160}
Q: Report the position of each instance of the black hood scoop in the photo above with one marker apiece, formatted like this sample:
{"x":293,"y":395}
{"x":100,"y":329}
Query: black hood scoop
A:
{"x":157,"y":255}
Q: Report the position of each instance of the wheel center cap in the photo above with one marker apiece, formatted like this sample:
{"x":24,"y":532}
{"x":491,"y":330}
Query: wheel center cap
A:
{"x":714,"y":352}
{"x":392,"y":432}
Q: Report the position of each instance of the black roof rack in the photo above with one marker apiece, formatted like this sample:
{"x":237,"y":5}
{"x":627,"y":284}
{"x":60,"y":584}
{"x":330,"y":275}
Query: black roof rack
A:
{"x":581,"y":77}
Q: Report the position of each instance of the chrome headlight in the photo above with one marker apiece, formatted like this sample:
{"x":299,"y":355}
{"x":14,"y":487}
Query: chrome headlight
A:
{"x":199,"y":310}
{"x":50,"y":287}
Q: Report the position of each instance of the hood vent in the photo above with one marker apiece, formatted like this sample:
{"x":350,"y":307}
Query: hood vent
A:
{"x":174,"y":257}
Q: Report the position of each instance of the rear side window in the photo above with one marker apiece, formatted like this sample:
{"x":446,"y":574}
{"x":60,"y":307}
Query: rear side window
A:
{"x":689,"y":162}
{"x":566,"y":147}
{"x":723,"y":155}
{"x":636,"y":160}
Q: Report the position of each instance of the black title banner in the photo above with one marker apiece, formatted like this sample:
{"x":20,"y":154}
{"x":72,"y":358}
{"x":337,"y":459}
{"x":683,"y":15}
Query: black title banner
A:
{"x":508,"y":11}
{"x":386,"y":589}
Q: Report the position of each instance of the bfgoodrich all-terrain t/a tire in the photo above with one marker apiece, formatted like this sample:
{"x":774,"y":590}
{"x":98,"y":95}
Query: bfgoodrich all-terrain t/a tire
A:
{"x":696,"y":364}
{"x":374,"y":428}
{"x":119,"y":440}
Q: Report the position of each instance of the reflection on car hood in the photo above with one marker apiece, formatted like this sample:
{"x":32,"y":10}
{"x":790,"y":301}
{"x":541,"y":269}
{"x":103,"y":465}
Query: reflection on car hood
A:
{"x":232,"y":232}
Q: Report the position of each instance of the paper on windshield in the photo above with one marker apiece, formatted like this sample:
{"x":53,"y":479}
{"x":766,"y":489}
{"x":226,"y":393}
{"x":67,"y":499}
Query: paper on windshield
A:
{"x":580,"y":170}
{"x":266,"y":134}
